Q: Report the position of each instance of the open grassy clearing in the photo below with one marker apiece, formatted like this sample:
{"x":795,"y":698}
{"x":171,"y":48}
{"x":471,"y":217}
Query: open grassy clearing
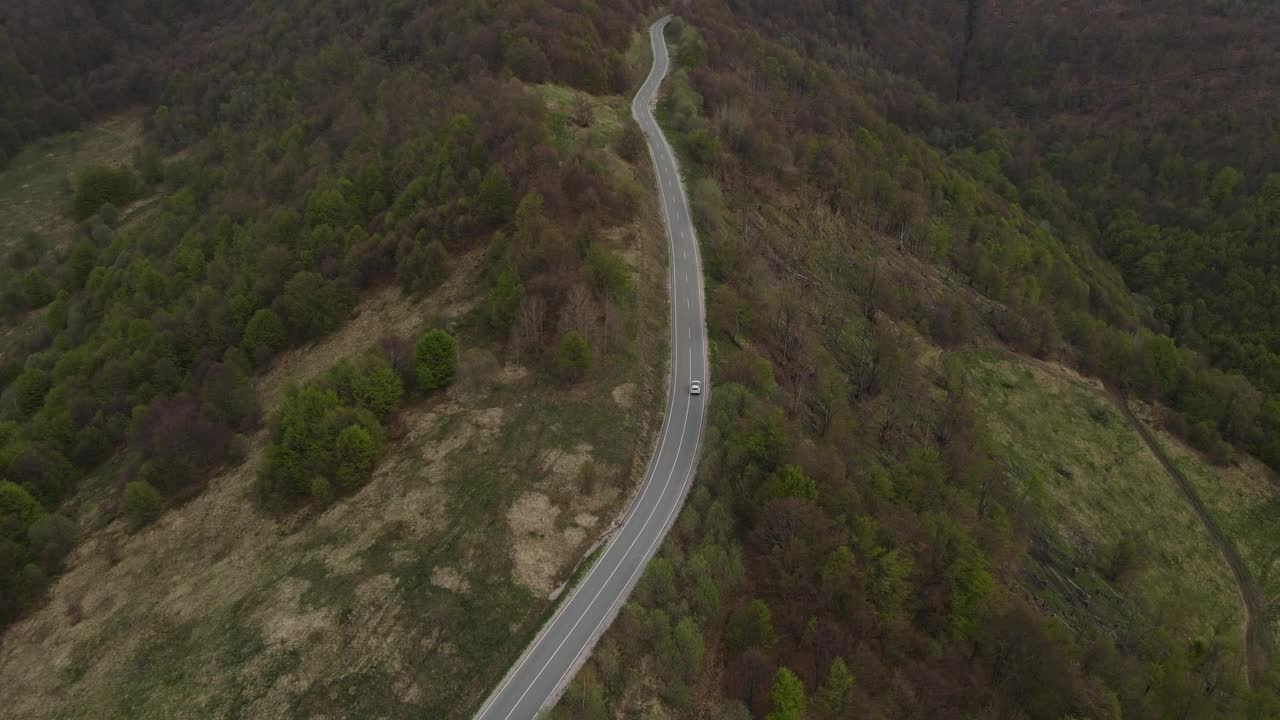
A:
{"x":35,"y":189}
{"x":1243,"y":499}
{"x":577,"y":118}
{"x":1096,"y":482}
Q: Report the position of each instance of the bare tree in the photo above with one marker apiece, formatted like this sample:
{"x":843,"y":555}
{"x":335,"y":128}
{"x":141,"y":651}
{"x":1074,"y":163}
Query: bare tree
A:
{"x":576,"y":312}
{"x":530,"y":324}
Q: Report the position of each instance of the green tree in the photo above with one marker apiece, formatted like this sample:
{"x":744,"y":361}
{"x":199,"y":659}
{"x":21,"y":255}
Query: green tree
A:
{"x":37,"y":291}
{"x":56,"y":317}
{"x":688,"y":639}
{"x":141,"y":501}
{"x":378,"y":389}
{"x":30,"y":389}
{"x":890,"y":583}
{"x":609,"y":274}
{"x":1224,"y":185}
{"x":321,"y":490}
{"x":52,"y":537}
{"x":503,"y":299}
{"x":98,"y":184}
{"x":435,"y":360}
{"x":835,"y":698}
{"x":787,"y":697}
{"x":574,"y":358}
{"x":263,"y":336}
{"x":17,"y":503}
{"x":751,"y":626}
{"x":311,"y":305}
{"x":496,"y":198}
{"x":354,"y":451}
{"x":791,"y":482}
{"x":703,"y":146}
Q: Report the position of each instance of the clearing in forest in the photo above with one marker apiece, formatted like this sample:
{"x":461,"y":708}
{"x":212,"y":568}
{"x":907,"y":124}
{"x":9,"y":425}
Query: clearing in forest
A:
{"x":36,"y":186}
{"x":1098,"y":487}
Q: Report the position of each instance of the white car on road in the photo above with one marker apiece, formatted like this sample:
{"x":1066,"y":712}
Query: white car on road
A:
{"x":695,"y":387}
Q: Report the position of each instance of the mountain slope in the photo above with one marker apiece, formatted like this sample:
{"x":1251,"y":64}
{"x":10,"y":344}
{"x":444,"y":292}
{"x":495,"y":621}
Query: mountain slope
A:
{"x":860,"y":538}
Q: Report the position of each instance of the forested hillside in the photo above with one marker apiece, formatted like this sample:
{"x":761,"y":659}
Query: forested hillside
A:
{"x":299,"y":155}
{"x":66,"y":62}
{"x":886,"y":525}
{"x":949,"y":246}
{"x":1123,"y":130}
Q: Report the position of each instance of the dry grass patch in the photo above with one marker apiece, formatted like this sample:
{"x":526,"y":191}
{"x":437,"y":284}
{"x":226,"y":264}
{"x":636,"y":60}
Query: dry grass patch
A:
{"x":221,"y":602}
{"x":624,"y":395}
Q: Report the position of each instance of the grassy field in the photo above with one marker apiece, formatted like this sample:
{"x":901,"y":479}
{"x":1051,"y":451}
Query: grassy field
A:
{"x":35,"y":189}
{"x":408,"y":599}
{"x":1095,"y":482}
{"x":1244,"y":501}
{"x":576,"y":118}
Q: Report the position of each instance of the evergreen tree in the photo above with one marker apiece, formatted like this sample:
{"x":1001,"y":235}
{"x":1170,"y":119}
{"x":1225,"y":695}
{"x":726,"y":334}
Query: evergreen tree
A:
{"x":574,"y":358}
{"x":435,"y":360}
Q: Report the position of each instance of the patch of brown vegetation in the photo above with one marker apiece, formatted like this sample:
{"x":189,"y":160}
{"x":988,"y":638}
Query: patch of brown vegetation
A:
{"x":512,"y":373}
{"x":624,"y":395}
{"x":218,"y":560}
{"x":450,"y":579}
{"x":537,"y":550}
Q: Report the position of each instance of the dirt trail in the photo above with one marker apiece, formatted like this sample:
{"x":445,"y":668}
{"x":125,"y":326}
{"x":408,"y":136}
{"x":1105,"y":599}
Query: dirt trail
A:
{"x":1256,"y":638}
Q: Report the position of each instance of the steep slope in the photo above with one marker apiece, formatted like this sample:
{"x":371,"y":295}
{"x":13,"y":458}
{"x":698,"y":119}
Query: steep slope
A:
{"x":337,"y":178}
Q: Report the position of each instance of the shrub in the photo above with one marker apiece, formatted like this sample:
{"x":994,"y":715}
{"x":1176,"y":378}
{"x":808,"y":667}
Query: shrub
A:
{"x":98,"y":184}
{"x":321,"y":492}
{"x":141,"y":501}
{"x":378,"y":388}
{"x":29,"y":390}
{"x":574,"y":358}
{"x":354,"y":451}
{"x":263,"y":336}
{"x":631,"y":143}
{"x":52,"y":537}
{"x":435,"y":360}
{"x":791,"y":482}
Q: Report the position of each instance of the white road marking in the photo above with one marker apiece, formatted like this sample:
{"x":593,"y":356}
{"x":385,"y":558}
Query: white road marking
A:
{"x":676,"y":216}
{"x":605,"y":584}
{"x":649,"y":551}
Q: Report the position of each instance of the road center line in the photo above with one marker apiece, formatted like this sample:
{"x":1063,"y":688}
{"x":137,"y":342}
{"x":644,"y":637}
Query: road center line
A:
{"x":605,"y":584}
{"x":675,"y":214}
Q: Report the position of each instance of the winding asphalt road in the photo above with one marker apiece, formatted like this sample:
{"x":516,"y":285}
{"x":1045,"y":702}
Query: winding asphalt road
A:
{"x":548,"y":664}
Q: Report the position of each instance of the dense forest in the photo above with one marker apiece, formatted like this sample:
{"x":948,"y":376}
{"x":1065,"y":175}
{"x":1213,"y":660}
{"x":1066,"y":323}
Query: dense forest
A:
{"x":297,"y":157}
{"x":1122,"y":133}
{"x":49,"y":85}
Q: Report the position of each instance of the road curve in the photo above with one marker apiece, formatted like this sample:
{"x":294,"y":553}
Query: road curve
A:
{"x":547,"y":665}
